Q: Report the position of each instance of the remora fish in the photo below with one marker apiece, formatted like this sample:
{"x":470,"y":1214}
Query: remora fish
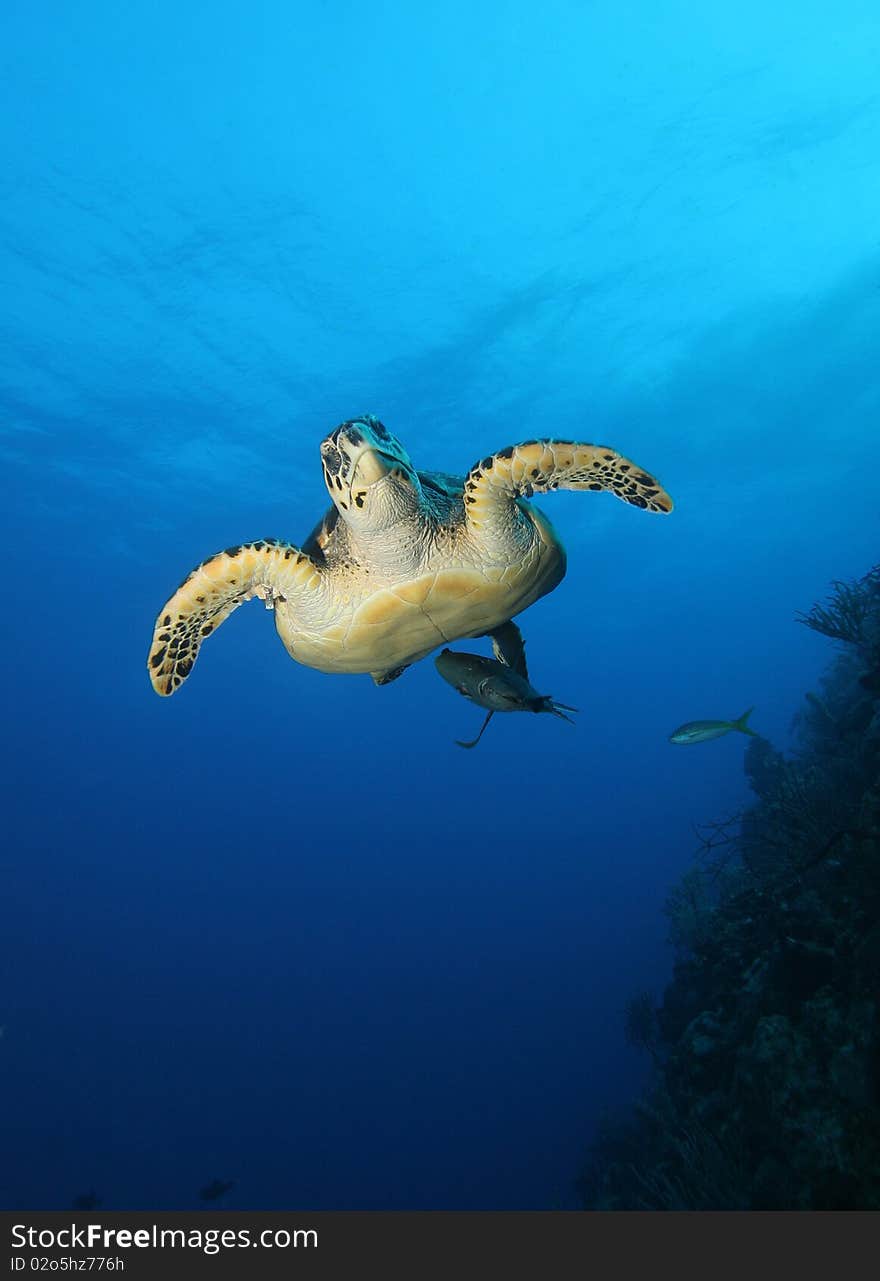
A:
{"x":702,"y":731}
{"x":492,"y":684}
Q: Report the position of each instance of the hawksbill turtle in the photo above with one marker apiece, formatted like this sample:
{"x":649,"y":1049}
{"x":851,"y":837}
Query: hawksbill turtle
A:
{"x":404,"y":561}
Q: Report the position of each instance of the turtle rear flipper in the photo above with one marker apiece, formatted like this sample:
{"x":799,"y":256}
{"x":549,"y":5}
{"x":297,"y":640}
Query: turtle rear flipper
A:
{"x":509,"y":648}
{"x":205,"y":599}
{"x":386,"y":677}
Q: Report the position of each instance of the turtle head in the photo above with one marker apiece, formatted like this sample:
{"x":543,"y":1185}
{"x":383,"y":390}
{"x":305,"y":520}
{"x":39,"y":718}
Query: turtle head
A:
{"x":369,"y":475}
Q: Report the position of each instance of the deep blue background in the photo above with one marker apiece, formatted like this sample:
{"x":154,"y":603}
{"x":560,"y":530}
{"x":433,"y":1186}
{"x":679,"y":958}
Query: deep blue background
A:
{"x":279,"y":929}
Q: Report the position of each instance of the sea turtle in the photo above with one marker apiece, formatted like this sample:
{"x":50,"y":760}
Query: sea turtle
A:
{"x":404,"y":561}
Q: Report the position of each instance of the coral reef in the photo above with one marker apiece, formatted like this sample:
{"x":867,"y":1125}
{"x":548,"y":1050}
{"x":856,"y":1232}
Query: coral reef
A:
{"x":851,"y":612}
{"x":766,"y":1045}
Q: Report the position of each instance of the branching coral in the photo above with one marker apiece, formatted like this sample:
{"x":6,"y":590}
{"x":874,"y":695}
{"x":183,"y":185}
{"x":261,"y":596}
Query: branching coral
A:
{"x":849,"y":610}
{"x":688,"y":908}
{"x":700,"y":1173}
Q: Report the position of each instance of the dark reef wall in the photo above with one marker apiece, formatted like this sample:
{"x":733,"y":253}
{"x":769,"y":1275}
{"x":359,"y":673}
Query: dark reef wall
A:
{"x":766,"y":1046}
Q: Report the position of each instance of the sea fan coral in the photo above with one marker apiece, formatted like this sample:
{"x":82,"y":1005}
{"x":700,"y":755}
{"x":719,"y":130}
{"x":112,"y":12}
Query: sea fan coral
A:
{"x":850,"y":613}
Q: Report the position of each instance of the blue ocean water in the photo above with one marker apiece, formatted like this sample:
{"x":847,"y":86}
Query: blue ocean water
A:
{"x":279,"y":930}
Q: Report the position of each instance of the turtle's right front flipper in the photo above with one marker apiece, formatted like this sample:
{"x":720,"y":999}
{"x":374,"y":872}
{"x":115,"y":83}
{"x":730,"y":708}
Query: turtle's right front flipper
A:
{"x":266,"y":568}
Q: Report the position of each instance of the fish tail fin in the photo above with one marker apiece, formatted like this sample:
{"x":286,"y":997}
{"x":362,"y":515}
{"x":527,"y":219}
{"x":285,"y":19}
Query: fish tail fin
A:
{"x":558,"y":709}
{"x":562,"y":716}
{"x":741,"y":723}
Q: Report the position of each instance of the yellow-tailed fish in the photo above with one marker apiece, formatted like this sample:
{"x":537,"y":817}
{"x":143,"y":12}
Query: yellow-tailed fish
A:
{"x":702,"y":731}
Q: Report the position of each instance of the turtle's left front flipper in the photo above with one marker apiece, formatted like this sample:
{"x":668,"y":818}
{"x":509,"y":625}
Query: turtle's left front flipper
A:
{"x":537,"y":466}
{"x":266,"y":568}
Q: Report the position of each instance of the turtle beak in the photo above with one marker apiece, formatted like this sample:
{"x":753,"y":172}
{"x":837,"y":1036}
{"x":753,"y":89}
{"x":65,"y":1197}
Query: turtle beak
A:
{"x":352,"y":456}
{"x":370,"y":466}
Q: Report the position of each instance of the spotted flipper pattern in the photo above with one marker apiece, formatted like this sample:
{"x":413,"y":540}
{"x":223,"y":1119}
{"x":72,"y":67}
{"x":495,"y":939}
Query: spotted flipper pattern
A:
{"x":538,"y":466}
{"x":266,"y":568}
